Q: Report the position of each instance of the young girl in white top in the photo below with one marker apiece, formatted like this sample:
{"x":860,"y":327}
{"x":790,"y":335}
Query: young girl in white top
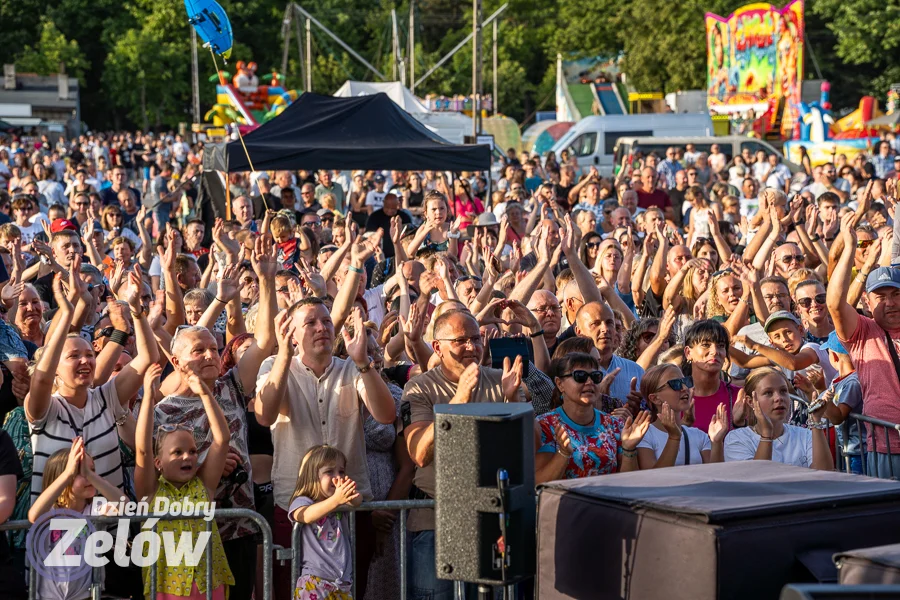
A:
{"x":322,"y":487}
{"x":771,"y":438}
{"x":70,"y":482}
{"x":668,"y":442}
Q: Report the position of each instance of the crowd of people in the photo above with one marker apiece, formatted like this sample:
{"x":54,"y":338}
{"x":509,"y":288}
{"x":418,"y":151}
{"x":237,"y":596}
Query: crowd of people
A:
{"x":286,"y":356}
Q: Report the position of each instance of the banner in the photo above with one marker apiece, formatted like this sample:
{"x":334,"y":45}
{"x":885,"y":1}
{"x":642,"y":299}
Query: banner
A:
{"x":755,"y":58}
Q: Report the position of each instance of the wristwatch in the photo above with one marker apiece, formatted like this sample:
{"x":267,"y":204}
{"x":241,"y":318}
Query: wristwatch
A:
{"x":367,"y":368}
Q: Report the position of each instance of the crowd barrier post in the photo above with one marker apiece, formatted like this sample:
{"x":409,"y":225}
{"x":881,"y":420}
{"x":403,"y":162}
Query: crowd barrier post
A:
{"x":863,"y":424}
{"x":225,"y":513}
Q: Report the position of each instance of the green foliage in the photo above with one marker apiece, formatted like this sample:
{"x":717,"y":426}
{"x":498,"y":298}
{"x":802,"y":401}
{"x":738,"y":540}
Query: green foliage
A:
{"x":50,"y":52}
{"x":134,"y":58}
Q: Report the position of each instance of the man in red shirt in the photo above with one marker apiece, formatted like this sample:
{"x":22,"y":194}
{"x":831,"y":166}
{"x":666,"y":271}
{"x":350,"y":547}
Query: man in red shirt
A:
{"x":650,"y":195}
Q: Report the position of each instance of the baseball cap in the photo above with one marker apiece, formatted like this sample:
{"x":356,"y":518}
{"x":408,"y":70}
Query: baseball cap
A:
{"x":62,"y":224}
{"x":780,"y":315}
{"x":379,"y":178}
{"x":834,"y":344}
{"x":322,"y":212}
{"x":883,"y":277}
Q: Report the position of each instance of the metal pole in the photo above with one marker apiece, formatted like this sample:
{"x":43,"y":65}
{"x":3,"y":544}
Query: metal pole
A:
{"x":298,"y":33}
{"x":494,"y":97}
{"x":456,"y":48}
{"x":339,"y":41}
{"x":308,"y":55}
{"x":395,"y":45}
{"x":476,"y":67}
{"x":286,"y":33}
{"x":195,"y":76}
{"x":412,"y":50}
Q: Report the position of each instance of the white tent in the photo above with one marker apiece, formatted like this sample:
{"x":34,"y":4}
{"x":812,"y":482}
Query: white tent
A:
{"x":394,"y":89}
{"x":451,"y":126}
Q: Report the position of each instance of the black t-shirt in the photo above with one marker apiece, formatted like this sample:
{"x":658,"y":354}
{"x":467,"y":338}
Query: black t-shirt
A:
{"x":380,"y":220}
{"x":9,"y":465}
{"x":562,"y":194}
{"x":677,"y":198}
{"x":110,"y":197}
{"x":44,"y":287}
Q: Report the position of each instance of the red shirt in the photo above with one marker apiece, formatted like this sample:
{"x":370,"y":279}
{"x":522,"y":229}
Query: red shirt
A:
{"x":655,"y":198}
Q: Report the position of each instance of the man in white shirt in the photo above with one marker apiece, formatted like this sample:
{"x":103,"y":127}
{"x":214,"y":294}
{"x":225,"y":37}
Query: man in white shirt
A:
{"x":828,"y":181}
{"x":778,"y":176}
{"x":375,"y":198}
{"x":690,"y":154}
{"x":717,"y":159}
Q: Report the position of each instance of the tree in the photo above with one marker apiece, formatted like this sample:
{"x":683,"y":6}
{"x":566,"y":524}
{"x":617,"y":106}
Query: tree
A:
{"x":52,"y":52}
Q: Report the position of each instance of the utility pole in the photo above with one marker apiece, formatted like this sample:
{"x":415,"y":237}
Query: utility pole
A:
{"x":476,"y":67}
{"x":494,"y":97}
{"x":195,"y":76}
{"x":411,"y":53}
{"x":308,"y":55}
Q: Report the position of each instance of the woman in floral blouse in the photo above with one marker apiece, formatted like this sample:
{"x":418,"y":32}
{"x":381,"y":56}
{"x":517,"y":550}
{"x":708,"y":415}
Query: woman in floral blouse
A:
{"x":577,"y":440}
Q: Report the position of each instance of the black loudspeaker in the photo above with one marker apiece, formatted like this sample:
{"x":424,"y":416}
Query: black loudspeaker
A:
{"x":473,"y":442}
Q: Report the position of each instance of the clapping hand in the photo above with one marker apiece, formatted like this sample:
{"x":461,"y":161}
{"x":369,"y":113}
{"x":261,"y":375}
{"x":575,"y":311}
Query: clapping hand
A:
{"x":718,"y":425}
{"x":671,"y":420}
{"x":763,"y":424}
{"x":634,"y":431}
{"x":345,"y":490}
{"x":228,"y":285}
{"x":563,"y":441}
{"x":468,"y":382}
{"x":511,"y":379}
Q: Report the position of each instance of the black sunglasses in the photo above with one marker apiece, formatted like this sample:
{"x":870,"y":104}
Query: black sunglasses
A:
{"x":468,"y":278}
{"x":678,"y":384}
{"x":581,"y":376}
{"x":593,"y":244}
{"x":807,"y":302}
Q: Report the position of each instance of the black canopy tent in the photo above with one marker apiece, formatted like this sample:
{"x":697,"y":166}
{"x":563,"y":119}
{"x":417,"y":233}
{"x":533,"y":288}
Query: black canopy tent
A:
{"x":325,"y":132}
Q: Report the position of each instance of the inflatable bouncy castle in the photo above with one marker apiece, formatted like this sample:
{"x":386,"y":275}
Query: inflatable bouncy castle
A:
{"x":824,"y":138}
{"x":243,"y":101}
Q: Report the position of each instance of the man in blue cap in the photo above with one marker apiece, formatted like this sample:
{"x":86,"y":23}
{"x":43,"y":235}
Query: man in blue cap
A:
{"x":872,"y":344}
{"x":847,"y":398}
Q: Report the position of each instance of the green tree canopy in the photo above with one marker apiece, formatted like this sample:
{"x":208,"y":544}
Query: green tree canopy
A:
{"x":52,"y":52}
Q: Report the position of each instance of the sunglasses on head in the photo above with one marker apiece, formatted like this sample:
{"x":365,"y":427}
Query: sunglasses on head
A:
{"x":680,"y":383}
{"x":581,"y":376}
{"x":169,"y":428}
{"x":722,"y":272}
{"x":469,"y":278}
{"x":807,"y":302}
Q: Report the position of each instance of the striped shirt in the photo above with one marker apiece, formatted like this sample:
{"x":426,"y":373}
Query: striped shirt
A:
{"x":96,"y":423}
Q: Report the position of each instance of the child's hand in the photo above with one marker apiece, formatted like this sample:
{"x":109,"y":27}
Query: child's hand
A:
{"x":76,"y":455}
{"x":346,"y":490}
{"x":197,"y":385}
{"x":151,"y":382}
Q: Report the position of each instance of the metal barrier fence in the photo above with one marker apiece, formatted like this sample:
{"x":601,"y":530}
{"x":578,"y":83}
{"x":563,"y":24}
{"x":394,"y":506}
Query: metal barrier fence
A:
{"x":225,"y":513}
{"x":403,"y":506}
{"x":863,"y":423}
{"x":833,"y":591}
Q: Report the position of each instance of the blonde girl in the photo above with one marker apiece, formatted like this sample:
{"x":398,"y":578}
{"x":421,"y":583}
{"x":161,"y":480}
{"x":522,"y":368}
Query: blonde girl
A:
{"x":70,"y":482}
{"x":322,"y":487}
{"x":171,"y":469}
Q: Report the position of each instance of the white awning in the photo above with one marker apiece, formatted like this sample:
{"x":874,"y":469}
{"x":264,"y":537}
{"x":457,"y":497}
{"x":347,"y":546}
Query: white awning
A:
{"x":22,"y":121}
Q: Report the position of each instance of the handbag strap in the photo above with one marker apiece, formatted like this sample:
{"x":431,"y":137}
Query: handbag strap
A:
{"x":687,"y":446}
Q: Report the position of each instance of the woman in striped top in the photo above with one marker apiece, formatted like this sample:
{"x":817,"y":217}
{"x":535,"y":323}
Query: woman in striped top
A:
{"x":62,"y":404}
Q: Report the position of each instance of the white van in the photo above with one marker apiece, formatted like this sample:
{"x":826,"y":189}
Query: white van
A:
{"x":593,"y":139}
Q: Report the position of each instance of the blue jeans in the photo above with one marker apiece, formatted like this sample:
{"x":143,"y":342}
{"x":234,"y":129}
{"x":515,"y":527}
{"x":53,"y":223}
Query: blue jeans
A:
{"x":878,"y":464}
{"x":423,"y":582}
{"x":855,"y":465}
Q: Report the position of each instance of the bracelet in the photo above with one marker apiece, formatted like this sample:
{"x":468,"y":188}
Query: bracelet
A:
{"x":629,"y":453}
{"x":800,"y":222}
{"x":118,"y":337}
{"x":817,"y":424}
{"x":220,"y":300}
{"x":673,"y":439}
{"x":455,"y":236}
{"x":830,"y":239}
{"x":563,"y":454}
{"x":765,"y":439}
{"x":746,"y":301}
{"x":815,"y":238}
{"x":365,"y":369}
{"x":137,"y":315}
{"x":353,"y":269}
{"x":537,"y":334}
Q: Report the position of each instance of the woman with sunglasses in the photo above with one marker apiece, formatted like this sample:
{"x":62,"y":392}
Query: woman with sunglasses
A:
{"x":644,"y":334}
{"x":668,"y":442}
{"x":590,"y":248}
{"x":767,"y":391}
{"x":809,"y":296}
{"x":577,"y":440}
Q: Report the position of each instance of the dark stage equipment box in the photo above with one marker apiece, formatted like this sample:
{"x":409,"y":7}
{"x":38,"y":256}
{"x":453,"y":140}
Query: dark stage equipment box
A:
{"x":701,"y":532}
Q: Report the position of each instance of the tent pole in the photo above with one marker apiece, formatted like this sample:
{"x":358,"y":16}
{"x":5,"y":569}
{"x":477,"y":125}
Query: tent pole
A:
{"x":227,"y":197}
{"x":339,"y":41}
{"x":412,"y":47}
{"x":195,"y":76}
{"x":395,"y":45}
{"x":476,"y":67}
{"x":300,"y":52}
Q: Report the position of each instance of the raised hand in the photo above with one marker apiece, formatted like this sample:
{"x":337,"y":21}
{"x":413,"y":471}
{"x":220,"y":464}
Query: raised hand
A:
{"x":228,"y":286}
{"x":718,"y":425}
{"x":156,"y":318}
{"x":634,"y":431}
{"x":75,"y":287}
{"x":414,"y":326}
{"x":468,"y":382}
{"x":361,"y":252}
{"x":634,"y":399}
{"x":671,"y":420}
{"x":345,"y":490}
{"x":133,"y":295}
{"x":264,"y":257}
{"x":197,"y":385}
{"x":848,"y":229}
{"x":741,"y":410}
{"x":284,"y":332}
{"x":151,"y":382}
{"x":563,"y":441}
{"x":607,"y":381}
{"x":356,"y":345}
{"x":119,"y":316}
{"x":396,"y":229}
{"x":76,"y":455}
{"x":511,"y":379}
{"x":763,"y":424}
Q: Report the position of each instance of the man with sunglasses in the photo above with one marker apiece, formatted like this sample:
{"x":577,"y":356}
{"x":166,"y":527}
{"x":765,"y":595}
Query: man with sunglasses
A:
{"x":788,"y":258}
{"x":459,"y":378}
